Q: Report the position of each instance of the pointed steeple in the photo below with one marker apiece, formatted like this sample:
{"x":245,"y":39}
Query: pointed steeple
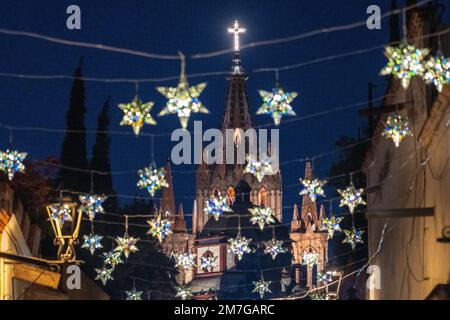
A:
{"x":309,"y":208}
{"x":168,"y":198}
{"x":179,"y":224}
{"x":295,"y":223}
{"x":394,"y":25}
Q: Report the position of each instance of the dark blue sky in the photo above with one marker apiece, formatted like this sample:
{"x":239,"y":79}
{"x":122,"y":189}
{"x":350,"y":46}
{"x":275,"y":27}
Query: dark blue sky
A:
{"x":192,"y":27}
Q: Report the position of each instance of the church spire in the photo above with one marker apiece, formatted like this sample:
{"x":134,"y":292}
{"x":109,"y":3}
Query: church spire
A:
{"x":237,"y":66}
{"x":179,"y":224}
{"x":309,"y":208}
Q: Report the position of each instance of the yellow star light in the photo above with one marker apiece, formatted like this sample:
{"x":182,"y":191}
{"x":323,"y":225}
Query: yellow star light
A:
{"x":159,"y":228}
{"x":136,"y":114}
{"x":277,"y":103}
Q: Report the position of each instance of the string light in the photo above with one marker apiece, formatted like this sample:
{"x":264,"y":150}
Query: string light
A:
{"x":11,"y":162}
{"x":152,"y":179}
{"x":405,"y":62}
{"x":136,"y":114}
{"x":397,"y":128}
{"x":261,"y":216}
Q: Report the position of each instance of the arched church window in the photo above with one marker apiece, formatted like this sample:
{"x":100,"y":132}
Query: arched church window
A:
{"x":216,"y":192}
{"x":262,"y":197}
{"x":231,"y":195}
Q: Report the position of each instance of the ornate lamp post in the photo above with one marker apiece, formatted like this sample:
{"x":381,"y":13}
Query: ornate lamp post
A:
{"x":65,"y":218}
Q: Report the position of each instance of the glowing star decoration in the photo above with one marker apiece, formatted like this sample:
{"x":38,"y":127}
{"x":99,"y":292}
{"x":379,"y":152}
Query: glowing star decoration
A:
{"x":277,"y":103}
{"x":61,"y":213}
{"x":437,"y":72}
{"x":216,"y":206}
{"x":310,"y":258}
{"x":112,"y":258}
{"x":351,"y":197}
{"x":239,"y":246}
{"x":183,"y":99}
{"x":152,"y":179}
{"x":185,"y":261}
{"x":332,"y":225}
{"x":397,"y":128}
{"x":126,"y":245}
{"x":262,"y":287}
{"x":325,"y":277}
{"x":313,"y":188}
{"x":353,"y":237}
{"x":92,"y":242}
{"x":159,"y":228}
{"x":405,"y":62}
{"x":261,"y":216}
{"x":208,"y":263}
{"x":11,"y":161}
{"x":136,"y":114}
{"x":133,"y":294}
{"x":184,"y":292}
{"x":104,"y":275}
{"x":92,"y":204}
{"x":273,"y":247}
{"x":258,"y":168}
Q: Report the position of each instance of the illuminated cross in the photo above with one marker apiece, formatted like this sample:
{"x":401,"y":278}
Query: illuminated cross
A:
{"x":236,"y":30}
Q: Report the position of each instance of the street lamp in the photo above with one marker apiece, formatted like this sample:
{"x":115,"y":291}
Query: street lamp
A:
{"x":65,"y":218}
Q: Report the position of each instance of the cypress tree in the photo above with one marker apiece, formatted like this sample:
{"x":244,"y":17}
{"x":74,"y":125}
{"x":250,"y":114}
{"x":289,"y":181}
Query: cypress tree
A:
{"x":100,"y":162}
{"x":73,"y":152}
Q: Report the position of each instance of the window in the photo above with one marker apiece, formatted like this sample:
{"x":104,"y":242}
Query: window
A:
{"x":231,"y":195}
{"x":262,"y":197}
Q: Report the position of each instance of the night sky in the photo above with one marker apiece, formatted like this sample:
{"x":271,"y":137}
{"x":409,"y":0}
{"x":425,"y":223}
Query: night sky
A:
{"x":166,"y":27}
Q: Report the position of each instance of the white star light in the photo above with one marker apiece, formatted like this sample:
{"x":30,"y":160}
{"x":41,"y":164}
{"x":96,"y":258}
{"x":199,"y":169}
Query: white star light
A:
{"x":437,"y":72}
{"x":332,"y":225}
{"x":405,"y":62}
{"x":310,"y":258}
{"x":353,"y":237}
{"x":126,"y":245}
{"x":185,"y":261}
{"x":208,"y":263}
{"x":92,"y":204}
{"x":277,"y":103}
{"x":152,"y":179}
{"x":11,"y":161}
{"x":261,"y":216}
{"x":112,"y":258}
{"x":159,"y":228}
{"x":184,"y":292}
{"x":351,"y":197}
{"x":397,"y":128}
{"x":104,"y":275}
{"x":259,"y":169}
{"x":239,"y":246}
{"x":262,"y":287}
{"x":274,"y":247}
{"x":133,"y":295}
{"x":313,"y":188}
{"x":92,"y":242}
{"x":61,"y":212}
{"x":136,"y":114}
{"x":216,"y":206}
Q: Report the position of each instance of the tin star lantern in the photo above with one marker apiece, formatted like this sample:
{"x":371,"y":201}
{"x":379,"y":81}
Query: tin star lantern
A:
{"x":152,"y":179}
{"x":208,"y":263}
{"x":159,"y":228}
{"x":397,"y":128}
{"x":136,"y":114}
{"x":277,"y":103}
{"x":313,"y":188}
{"x":351,"y":197}
{"x":405,"y":62}
{"x":437,"y":72}
{"x":92,"y":242}
{"x":262,"y":287}
{"x":274,"y":247}
{"x":332,"y":225}
{"x":183,"y":99}
{"x":126,"y":245}
{"x":310,"y":258}
{"x":216,"y":206}
{"x":185,"y":261}
{"x":184,"y":292}
{"x":239,"y":246}
{"x":259,"y":169}
{"x":104,"y":275}
{"x":11,"y":161}
{"x":133,"y":294}
{"x":92,"y":204}
{"x":261,"y":216}
{"x":112,"y":258}
{"x":353,"y":237}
